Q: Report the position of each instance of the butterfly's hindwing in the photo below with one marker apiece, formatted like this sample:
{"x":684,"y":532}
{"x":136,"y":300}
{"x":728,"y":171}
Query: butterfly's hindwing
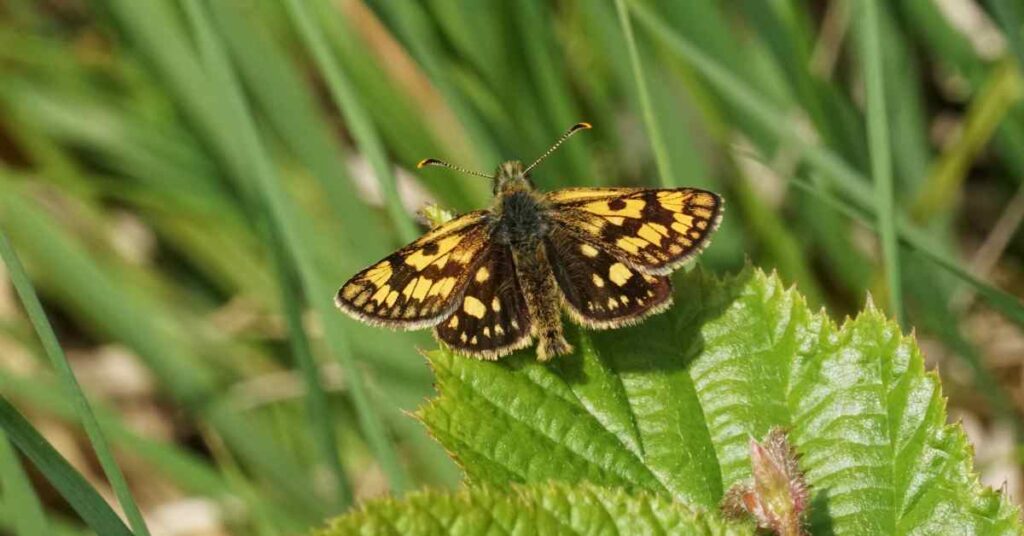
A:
{"x":655,"y":231}
{"x":418,"y":286}
{"x":600,"y":291}
{"x":492,"y":319}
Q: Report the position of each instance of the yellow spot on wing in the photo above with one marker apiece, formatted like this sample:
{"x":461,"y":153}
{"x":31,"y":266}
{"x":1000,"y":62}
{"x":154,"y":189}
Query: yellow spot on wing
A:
{"x":407,"y":291}
{"x":672,"y":201}
{"x":684,"y":219}
{"x":381,"y":294}
{"x":421,"y":289}
{"x":454,"y":322}
{"x":496,"y":304}
{"x":588,"y":251}
{"x":631,"y":244}
{"x":576,"y":194}
{"x":438,"y":289}
{"x":632,"y":208}
{"x":350,"y":291}
{"x":619,"y":274}
{"x":704,"y":199}
{"x":483,"y":274}
{"x":378,"y":275}
{"x":598,"y":282}
{"x":649,"y":233}
{"x":392,"y":298}
{"x":420,"y":260}
{"x":447,"y":285}
{"x":473,"y":307}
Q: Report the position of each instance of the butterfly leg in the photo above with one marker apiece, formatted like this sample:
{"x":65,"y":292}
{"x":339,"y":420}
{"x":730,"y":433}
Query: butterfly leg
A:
{"x":542,"y":300}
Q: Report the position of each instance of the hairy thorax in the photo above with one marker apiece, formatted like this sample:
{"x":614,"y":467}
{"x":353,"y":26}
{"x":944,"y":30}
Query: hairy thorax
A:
{"x":520,"y":220}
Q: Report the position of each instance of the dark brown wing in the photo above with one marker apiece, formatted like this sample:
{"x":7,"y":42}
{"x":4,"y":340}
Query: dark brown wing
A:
{"x":600,"y":291}
{"x":492,"y":319}
{"x":420,"y":284}
{"x":655,"y":231}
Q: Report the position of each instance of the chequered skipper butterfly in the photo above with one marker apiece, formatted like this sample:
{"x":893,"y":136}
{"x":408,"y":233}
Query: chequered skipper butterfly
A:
{"x":490,"y":281}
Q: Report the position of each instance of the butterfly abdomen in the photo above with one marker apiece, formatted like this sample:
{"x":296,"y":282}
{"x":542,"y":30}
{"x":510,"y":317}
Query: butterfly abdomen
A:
{"x":542,"y":299}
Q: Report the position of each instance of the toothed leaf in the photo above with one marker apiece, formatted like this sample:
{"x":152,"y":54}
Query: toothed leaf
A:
{"x":669,"y":406}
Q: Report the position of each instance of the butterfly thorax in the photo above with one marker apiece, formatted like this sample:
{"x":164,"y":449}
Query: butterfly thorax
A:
{"x":518,"y":213}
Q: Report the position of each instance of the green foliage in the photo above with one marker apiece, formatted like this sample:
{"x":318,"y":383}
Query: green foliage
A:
{"x":667,"y":407}
{"x":539,"y":509}
{"x":186,"y":181}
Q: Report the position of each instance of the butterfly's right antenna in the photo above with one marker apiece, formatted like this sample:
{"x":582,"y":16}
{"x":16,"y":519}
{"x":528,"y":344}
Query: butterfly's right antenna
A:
{"x":572,"y":130}
{"x":435,"y":162}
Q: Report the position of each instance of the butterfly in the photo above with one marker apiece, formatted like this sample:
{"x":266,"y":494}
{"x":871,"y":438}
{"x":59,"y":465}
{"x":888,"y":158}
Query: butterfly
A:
{"x":491,"y":281}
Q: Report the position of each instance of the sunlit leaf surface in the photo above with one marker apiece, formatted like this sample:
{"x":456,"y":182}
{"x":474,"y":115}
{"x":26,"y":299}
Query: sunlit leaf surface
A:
{"x":668,"y":407}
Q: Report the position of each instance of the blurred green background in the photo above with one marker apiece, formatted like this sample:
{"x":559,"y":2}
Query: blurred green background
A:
{"x":187,"y":182}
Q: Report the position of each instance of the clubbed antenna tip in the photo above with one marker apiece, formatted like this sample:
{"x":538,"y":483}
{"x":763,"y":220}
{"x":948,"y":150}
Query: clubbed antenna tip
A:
{"x":572,"y":130}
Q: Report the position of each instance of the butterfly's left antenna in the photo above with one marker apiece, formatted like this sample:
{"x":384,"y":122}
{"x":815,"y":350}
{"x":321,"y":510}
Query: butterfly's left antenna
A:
{"x":572,"y":130}
{"x":435,"y":162}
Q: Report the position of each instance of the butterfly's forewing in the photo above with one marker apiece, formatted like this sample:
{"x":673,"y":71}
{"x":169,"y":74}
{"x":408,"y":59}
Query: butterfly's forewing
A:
{"x":492,"y":319}
{"x":600,"y":291}
{"x":420,"y":284}
{"x":655,"y":231}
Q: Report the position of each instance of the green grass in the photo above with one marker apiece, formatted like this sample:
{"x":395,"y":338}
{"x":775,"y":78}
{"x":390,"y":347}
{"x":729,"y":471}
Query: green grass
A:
{"x":880,"y":146}
{"x":36,"y":315}
{"x":225,"y":137}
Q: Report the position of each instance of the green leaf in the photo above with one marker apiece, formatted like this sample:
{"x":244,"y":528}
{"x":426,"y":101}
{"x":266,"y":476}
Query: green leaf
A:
{"x":668,"y":407}
{"x":535,"y":509}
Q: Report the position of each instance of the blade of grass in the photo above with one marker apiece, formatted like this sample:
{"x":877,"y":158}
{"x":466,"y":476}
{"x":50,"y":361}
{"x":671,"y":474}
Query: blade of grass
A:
{"x":412,"y":117}
{"x":316,"y":399}
{"x":545,"y":65}
{"x":765,"y":114}
{"x":215,"y":59}
{"x":988,"y":109}
{"x":356,"y":118}
{"x":186,"y":469}
{"x":19,"y":497}
{"x":82,"y":497}
{"x":97,"y":296}
{"x":881,"y":159}
{"x":665,"y":174}
{"x":281,"y":95}
{"x":282,"y":217}
{"x":848,"y":180}
{"x":412,"y":24}
{"x":37,"y":316}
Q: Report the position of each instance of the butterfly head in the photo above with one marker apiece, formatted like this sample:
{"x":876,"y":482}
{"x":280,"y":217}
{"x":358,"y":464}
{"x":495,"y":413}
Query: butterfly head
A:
{"x":511,"y":176}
